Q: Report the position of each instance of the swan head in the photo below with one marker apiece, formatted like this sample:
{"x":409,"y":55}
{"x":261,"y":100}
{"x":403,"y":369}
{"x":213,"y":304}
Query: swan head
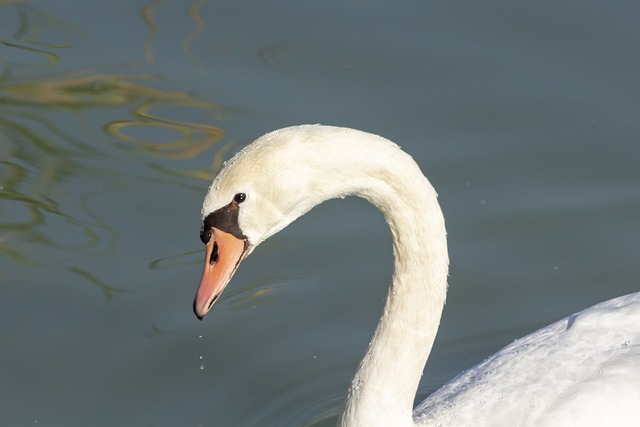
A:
{"x":261,"y":190}
{"x":281,"y":176}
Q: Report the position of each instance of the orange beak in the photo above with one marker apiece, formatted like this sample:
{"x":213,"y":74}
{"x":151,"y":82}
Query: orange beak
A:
{"x":225,"y":252}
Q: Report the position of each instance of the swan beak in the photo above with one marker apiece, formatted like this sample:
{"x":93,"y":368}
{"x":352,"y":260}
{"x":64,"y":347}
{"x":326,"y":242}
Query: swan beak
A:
{"x":225,"y":252}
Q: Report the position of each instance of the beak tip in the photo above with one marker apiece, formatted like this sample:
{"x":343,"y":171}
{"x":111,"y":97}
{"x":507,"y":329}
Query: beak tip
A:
{"x":224,"y":252}
{"x":197,"y":312}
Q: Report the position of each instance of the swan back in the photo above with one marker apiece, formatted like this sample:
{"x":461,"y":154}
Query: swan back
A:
{"x":582,"y":370}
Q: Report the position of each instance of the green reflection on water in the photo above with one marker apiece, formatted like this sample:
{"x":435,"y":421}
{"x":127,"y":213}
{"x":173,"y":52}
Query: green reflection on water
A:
{"x":109,"y":291}
{"x":49,"y":138}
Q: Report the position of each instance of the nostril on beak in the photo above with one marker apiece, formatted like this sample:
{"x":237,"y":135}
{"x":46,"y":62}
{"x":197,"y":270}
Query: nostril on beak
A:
{"x":214,"y":254}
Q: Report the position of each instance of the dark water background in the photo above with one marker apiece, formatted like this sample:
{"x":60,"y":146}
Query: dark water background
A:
{"x":115,"y":115}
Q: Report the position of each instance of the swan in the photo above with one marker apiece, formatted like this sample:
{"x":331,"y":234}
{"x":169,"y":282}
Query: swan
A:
{"x":583,"y":370}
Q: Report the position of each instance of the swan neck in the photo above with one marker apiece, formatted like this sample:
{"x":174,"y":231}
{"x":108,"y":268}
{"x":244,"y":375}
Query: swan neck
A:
{"x":384,"y":387}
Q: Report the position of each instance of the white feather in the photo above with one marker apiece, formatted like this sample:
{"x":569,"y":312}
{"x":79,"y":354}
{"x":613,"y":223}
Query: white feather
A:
{"x":581,"y":371}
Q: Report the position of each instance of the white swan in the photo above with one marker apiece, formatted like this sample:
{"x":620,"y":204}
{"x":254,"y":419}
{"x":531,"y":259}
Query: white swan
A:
{"x":583,"y":370}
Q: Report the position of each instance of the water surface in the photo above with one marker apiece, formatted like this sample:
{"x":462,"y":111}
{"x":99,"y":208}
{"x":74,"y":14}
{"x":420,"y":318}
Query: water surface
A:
{"x":115,"y":115}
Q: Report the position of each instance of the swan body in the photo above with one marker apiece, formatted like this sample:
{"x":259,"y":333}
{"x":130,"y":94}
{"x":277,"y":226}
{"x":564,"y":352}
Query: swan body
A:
{"x":583,"y":370}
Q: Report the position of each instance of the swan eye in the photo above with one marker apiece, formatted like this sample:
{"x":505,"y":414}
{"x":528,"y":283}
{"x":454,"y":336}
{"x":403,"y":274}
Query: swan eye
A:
{"x":240,"y":197}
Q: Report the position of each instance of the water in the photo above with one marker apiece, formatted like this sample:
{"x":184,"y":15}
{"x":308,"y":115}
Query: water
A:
{"x":115,"y":115}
